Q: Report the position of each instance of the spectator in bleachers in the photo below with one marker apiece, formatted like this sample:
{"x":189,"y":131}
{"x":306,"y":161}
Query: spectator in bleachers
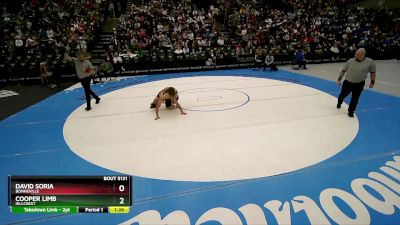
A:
{"x":30,"y":42}
{"x":335,"y":51}
{"x":106,"y":69}
{"x":221,"y":41}
{"x":45,"y":75}
{"x":81,"y":45}
{"x":117,"y":60}
{"x":269,"y":62}
{"x":50,"y":33}
{"x":19,"y":45}
{"x":209,"y":62}
{"x":258,"y":57}
{"x":300,"y":59}
{"x":186,"y":49}
{"x":353,"y":49}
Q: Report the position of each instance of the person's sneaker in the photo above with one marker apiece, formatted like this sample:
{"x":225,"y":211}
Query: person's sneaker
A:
{"x":97,"y":100}
{"x":338,"y":106}
{"x":88,"y":108}
{"x":351,"y":114}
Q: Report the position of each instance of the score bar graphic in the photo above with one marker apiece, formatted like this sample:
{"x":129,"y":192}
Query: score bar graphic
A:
{"x":70,"y":194}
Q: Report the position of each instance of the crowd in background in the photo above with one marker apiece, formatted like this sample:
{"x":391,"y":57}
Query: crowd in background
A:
{"x":319,"y":28}
{"x":175,"y":30}
{"x":39,"y":33}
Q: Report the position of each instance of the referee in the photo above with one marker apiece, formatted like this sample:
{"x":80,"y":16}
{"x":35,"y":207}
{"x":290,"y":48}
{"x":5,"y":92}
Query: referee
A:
{"x":84,"y":70}
{"x":356,"y":70}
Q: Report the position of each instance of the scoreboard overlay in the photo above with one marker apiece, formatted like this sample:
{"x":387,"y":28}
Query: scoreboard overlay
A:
{"x":70,"y":194}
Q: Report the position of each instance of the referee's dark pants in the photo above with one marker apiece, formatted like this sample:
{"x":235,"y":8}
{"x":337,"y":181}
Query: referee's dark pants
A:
{"x":88,"y":92}
{"x":355,"y":89}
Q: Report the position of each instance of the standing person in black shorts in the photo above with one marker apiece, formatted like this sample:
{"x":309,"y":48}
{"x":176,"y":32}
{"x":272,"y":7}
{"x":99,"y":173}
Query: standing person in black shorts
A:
{"x":169,"y":96}
{"x":84,"y":70}
{"x":356,"y":70}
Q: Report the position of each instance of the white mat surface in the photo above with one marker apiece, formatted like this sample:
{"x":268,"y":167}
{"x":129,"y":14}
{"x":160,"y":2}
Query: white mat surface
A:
{"x":284,"y":127}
